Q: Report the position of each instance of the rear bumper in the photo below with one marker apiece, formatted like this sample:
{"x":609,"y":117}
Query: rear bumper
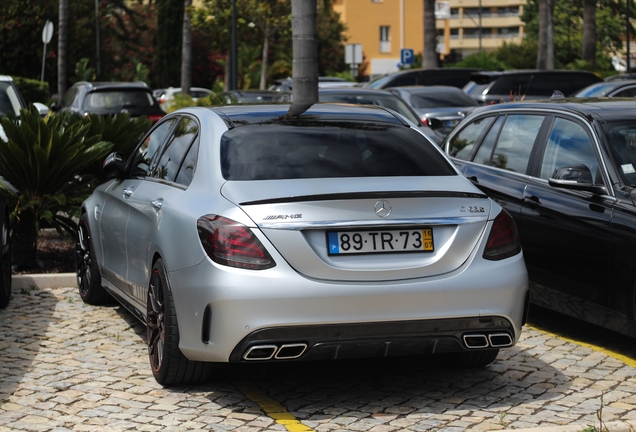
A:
{"x":223,"y":312}
{"x":387,"y":339}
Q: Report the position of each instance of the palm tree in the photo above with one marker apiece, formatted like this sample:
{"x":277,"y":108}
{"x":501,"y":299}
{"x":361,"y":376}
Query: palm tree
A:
{"x":589,"y":31}
{"x":186,"y":50}
{"x":305,"y":65}
{"x":62,"y":47}
{"x":429,"y":59}
{"x":545,"y":54}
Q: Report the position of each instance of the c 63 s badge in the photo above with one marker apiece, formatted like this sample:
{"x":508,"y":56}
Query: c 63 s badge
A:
{"x":283,"y":217}
{"x":472,"y":209}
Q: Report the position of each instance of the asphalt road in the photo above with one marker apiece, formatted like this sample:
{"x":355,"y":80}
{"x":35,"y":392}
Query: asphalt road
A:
{"x":66,"y":366}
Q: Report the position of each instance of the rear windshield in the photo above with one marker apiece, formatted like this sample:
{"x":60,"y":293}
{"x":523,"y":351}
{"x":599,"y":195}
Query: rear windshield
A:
{"x":442,"y":100}
{"x":119,"y":99}
{"x":269,"y":152}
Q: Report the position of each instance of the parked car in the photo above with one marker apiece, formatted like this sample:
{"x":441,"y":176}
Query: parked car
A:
{"x":165,"y":96}
{"x":285,"y":84}
{"x":516,"y":85}
{"x":242,"y":234}
{"x":250,"y":96}
{"x":447,"y":104}
{"x":11,"y":101}
{"x":454,"y":77}
{"x":5,"y":253}
{"x":365,"y":96}
{"x":566,"y":171}
{"x":616,"y":88}
{"x":108,"y":98}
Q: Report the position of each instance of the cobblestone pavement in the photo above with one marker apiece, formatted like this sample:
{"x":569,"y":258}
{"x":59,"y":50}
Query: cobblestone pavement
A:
{"x":65,"y":365}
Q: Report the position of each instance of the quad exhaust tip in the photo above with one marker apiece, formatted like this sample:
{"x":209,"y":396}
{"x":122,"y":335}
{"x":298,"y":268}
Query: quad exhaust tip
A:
{"x":493,"y":340}
{"x":282,"y":352}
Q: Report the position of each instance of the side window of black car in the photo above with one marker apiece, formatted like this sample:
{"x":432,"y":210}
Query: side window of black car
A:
{"x":628,"y":92}
{"x":514,"y":143}
{"x":176,"y":150}
{"x":568,"y":144}
{"x":462,"y":144}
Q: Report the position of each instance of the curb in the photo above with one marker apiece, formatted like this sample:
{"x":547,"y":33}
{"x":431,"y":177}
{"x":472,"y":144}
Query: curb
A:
{"x":612,"y":426}
{"x":44,"y":280}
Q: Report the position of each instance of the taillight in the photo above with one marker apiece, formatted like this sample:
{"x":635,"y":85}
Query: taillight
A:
{"x":425,"y":121}
{"x":155,"y":117}
{"x":230,"y":243}
{"x":503,"y":241}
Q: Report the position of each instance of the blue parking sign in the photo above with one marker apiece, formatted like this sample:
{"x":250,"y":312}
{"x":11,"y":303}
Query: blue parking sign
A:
{"x":407,"y":56}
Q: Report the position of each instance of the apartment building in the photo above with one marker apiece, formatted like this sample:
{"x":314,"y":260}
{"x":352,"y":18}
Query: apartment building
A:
{"x":385,"y":27}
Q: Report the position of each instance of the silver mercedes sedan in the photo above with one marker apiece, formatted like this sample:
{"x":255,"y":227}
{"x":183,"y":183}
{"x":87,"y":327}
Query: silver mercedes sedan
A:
{"x":264,"y":233}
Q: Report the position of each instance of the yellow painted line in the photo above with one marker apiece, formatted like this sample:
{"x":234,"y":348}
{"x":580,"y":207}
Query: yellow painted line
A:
{"x":627,"y":360}
{"x":272,"y":408}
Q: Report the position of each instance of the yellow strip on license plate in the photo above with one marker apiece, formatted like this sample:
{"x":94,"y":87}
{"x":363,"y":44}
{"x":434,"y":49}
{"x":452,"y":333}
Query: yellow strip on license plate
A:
{"x":380,"y":241}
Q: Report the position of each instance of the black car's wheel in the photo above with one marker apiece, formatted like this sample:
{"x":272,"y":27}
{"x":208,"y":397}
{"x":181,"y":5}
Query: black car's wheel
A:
{"x":467,"y":359}
{"x":89,"y":280}
{"x":169,"y":365}
{"x":5,"y":263}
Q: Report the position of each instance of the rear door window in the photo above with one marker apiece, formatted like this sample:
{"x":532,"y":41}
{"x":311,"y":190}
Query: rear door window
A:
{"x":462,"y":144}
{"x":568,"y":144}
{"x":514,"y":143}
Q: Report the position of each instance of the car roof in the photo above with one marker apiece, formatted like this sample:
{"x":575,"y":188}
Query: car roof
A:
{"x":239,"y":115}
{"x":532,"y":71}
{"x":354,"y":91}
{"x":613,"y":84}
{"x":601,"y":109}
{"x":5,"y":78}
{"x":107,"y":85}
{"x":427,"y":89}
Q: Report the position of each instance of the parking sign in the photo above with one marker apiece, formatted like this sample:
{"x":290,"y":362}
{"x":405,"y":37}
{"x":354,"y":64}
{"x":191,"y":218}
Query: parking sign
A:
{"x":407,"y":56}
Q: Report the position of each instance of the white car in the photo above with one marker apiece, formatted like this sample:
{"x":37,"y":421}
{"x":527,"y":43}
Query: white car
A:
{"x":165,"y":96}
{"x":253,"y":233}
{"x":11,"y":101}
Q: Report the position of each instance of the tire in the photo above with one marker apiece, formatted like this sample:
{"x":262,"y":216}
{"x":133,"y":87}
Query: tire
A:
{"x":5,"y":263}
{"x":89,"y":280}
{"x":467,"y":359}
{"x":169,"y":365}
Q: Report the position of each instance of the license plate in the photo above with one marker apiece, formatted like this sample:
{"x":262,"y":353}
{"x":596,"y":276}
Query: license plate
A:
{"x":380,"y":241}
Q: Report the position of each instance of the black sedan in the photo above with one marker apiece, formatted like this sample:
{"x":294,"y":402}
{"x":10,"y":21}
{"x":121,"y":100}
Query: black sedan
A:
{"x":566,"y":171}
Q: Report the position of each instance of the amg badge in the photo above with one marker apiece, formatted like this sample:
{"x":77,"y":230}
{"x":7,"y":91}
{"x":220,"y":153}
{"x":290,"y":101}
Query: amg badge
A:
{"x":283,"y":217}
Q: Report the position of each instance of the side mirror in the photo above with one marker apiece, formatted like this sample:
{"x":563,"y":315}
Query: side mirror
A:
{"x":42,"y":109}
{"x":114,"y":166}
{"x":55,"y":107}
{"x":576,"y":177}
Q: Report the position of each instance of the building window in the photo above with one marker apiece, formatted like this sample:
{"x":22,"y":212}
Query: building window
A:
{"x":473,"y":33}
{"x":454,"y":13}
{"x":377,"y":1}
{"x":508,"y":11}
{"x":385,"y":39}
{"x":508,"y":32}
{"x":474,"y":13}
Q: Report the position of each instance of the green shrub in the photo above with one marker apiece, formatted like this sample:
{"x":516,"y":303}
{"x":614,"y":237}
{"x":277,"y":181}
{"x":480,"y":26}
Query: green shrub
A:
{"x":481,"y":60}
{"x":33,"y":90}
{"x":40,"y":161}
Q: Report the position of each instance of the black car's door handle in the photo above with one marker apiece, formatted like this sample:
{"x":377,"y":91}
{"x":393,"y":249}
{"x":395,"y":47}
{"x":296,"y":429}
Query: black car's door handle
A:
{"x":532,"y":202}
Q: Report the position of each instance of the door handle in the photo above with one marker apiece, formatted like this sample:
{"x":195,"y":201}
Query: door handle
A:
{"x":532,"y":202}
{"x":127,"y":193}
{"x":473,"y":179}
{"x":157,"y":204}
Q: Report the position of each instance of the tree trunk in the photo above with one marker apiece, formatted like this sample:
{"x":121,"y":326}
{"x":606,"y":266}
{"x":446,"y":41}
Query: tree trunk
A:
{"x":24,"y":241}
{"x":265,"y":61}
{"x":62,"y":46}
{"x":589,"y":31}
{"x":305,"y":64}
{"x":186,"y":50}
{"x":429,"y":57}
{"x":545,"y":54}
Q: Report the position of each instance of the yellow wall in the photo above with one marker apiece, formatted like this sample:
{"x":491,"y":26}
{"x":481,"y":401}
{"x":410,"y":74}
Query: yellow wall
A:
{"x":363,"y":19}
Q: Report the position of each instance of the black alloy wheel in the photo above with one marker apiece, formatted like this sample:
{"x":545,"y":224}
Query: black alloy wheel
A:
{"x":5,"y":263}
{"x":169,"y":365}
{"x":89,"y":280}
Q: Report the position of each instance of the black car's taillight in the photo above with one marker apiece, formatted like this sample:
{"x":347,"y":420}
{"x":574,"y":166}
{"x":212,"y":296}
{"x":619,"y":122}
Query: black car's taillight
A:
{"x":503,"y":241}
{"x":230,"y":243}
{"x":155,"y":117}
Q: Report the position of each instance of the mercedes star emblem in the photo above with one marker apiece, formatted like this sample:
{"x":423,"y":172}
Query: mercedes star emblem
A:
{"x":383,"y":208}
